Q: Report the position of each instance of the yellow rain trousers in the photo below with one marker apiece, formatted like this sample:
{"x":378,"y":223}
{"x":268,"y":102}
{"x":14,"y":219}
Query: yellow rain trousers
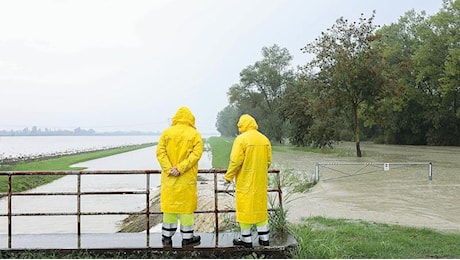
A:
{"x":181,"y":146}
{"x":249,"y":161}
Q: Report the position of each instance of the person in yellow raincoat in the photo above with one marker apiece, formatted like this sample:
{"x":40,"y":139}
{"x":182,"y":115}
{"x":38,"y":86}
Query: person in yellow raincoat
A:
{"x":178,"y":151}
{"x":250,"y":159}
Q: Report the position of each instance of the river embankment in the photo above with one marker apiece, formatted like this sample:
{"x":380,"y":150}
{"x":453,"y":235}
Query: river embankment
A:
{"x":15,"y":149}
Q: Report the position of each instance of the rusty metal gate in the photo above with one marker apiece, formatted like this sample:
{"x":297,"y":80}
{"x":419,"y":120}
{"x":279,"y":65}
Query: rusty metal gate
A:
{"x":79,"y":194}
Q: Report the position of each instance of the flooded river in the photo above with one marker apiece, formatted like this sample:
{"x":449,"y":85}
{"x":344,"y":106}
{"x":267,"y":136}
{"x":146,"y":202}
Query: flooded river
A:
{"x":400,"y":195}
{"x":135,"y":160}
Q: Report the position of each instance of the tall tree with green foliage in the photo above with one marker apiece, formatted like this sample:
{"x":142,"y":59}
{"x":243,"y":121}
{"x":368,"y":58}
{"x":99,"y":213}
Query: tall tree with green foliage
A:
{"x":310,"y":123}
{"x":260,"y":90}
{"x":227,"y":120}
{"x":295,"y":108}
{"x":424,"y":53}
{"x":349,"y":66}
{"x":400,"y":115}
{"x":437,"y":64}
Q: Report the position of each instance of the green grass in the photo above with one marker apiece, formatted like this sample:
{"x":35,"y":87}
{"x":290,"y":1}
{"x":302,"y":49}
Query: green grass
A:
{"x":220,"y":148}
{"x":321,"y":237}
{"x":22,"y":183}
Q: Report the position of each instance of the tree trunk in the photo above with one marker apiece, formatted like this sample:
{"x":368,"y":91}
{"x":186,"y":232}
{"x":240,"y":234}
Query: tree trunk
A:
{"x":358,"y":150}
{"x":357,"y":130}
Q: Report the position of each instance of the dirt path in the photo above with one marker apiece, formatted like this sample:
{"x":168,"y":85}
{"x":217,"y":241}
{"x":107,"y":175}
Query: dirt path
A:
{"x":402,"y":195}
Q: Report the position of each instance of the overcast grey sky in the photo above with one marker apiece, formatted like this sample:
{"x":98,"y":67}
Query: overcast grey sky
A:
{"x":129,"y":64}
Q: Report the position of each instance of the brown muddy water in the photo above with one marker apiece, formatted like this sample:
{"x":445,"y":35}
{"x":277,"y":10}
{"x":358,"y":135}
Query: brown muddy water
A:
{"x":402,"y":195}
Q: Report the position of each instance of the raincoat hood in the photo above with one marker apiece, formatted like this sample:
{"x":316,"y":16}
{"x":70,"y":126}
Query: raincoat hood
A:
{"x":246,"y":123}
{"x":184,"y":116}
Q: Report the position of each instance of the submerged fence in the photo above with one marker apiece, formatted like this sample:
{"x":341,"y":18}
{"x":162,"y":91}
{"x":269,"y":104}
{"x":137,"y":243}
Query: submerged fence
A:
{"x":366,"y":168}
{"x":146,"y":192}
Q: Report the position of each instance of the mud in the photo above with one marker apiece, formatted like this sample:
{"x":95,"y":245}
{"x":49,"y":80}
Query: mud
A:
{"x":403,"y":195}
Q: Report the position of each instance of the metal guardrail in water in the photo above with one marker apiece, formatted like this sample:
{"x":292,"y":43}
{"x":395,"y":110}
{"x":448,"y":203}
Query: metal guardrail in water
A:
{"x":9,"y":194}
{"x":379,"y":165}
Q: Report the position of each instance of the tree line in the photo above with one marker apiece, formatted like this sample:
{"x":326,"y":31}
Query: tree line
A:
{"x":35,"y":131}
{"x":395,"y":84}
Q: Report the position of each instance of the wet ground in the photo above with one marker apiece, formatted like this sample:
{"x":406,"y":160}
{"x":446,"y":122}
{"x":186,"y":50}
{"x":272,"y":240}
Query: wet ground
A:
{"x":402,"y":195}
{"x":127,"y":240}
{"x":141,"y":245}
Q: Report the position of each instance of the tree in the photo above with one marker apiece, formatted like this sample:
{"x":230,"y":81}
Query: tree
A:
{"x":349,"y":66}
{"x":424,"y":53}
{"x":400,"y":115}
{"x":227,"y":120}
{"x":309,"y":123}
{"x":261,"y":88}
{"x":295,"y":108}
{"x":437,"y":67}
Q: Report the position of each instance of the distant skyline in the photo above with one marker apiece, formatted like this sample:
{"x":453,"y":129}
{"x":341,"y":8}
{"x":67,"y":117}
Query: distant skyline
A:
{"x":119,"y":65}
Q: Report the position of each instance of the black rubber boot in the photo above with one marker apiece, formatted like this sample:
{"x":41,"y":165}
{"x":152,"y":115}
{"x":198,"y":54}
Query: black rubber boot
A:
{"x":195,"y":240}
{"x":167,"y":241}
{"x":263,"y":242}
{"x":239,"y":242}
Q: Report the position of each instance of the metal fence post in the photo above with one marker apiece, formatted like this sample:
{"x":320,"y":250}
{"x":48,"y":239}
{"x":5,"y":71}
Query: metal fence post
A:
{"x":430,"y":171}
{"x":216,"y":208}
{"x":147,"y":207}
{"x":9,"y":209}
{"x":317,"y":172}
{"x":79,"y":209}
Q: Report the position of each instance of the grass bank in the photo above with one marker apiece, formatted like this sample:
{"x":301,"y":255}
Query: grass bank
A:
{"x":320,"y":237}
{"x":220,"y":148}
{"x":60,"y":163}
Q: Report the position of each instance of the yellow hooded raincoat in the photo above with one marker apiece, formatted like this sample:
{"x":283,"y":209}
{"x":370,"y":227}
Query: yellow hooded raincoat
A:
{"x":249,"y":161}
{"x":180,"y":145}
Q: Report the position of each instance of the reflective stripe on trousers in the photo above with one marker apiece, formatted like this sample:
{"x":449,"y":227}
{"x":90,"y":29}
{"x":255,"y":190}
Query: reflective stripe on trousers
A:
{"x":263,"y":232}
{"x":168,"y":230}
{"x":246,"y":235}
{"x":186,"y":231}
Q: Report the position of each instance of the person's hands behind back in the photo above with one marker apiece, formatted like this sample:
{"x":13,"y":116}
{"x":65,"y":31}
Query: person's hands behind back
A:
{"x":174,"y":171}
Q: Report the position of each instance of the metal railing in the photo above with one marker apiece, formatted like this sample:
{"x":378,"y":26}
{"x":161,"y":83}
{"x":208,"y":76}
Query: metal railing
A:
{"x":377,"y":166}
{"x":79,"y":194}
